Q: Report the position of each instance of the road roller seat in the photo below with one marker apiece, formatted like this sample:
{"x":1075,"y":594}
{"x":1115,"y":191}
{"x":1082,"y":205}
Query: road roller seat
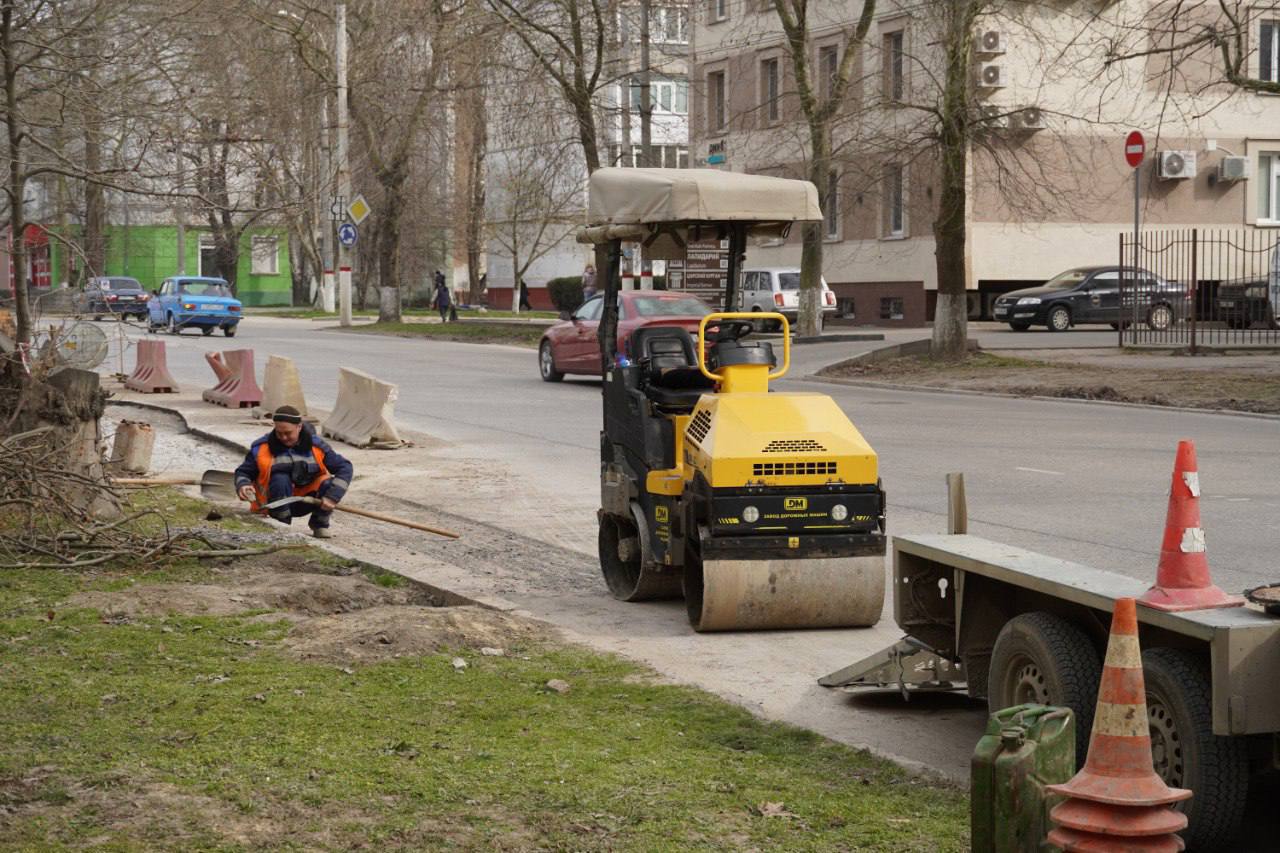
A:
{"x":736,"y":353}
{"x":668,"y":367}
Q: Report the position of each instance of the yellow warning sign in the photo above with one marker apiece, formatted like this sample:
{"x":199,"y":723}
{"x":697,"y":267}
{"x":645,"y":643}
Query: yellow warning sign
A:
{"x":359,"y":210}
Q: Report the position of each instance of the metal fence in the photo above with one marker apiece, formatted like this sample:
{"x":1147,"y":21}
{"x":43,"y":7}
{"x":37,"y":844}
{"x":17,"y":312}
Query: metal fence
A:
{"x":1197,"y":288}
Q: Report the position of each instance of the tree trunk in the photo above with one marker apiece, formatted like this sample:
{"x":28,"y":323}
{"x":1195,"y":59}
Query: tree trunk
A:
{"x":95,"y":208}
{"x":16,"y":181}
{"x":389,"y":247}
{"x":812,"y":248}
{"x":475,"y":210}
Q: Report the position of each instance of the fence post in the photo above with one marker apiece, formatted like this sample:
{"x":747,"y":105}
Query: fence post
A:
{"x":1194,"y":283}
{"x":1120,"y":325}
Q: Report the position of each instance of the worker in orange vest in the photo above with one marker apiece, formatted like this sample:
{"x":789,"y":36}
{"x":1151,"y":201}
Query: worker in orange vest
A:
{"x":292,"y":461}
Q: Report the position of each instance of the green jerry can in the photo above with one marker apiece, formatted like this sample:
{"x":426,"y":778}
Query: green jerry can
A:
{"x":1026,"y":748}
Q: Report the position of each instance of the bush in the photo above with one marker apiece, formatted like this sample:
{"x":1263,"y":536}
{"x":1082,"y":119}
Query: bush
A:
{"x":566,"y":292}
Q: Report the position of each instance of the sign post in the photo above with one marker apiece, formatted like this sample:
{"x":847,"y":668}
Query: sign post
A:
{"x":1135,"y":150}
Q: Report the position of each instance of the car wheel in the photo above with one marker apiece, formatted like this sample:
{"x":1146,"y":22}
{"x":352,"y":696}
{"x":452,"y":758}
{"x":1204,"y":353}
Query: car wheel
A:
{"x":173,"y":325}
{"x":207,"y":330}
{"x":1059,"y":318}
{"x":229,"y":331}
{"x":1019,"y":327}
{"x":1187,"y":754}
{"x":1043,"y":659}
{"x":547,"y":364}
{"x":1160,"y":318}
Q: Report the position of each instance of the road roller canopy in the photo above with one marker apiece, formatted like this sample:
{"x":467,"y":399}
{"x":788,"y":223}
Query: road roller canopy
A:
{"x":622,"y":199}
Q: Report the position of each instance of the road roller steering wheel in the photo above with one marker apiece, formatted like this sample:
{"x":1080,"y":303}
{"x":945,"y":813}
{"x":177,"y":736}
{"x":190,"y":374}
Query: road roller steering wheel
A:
{"x":732,"y":330}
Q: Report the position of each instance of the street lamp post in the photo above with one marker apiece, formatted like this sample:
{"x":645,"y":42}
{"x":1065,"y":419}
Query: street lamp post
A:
{"x":344,"y":168}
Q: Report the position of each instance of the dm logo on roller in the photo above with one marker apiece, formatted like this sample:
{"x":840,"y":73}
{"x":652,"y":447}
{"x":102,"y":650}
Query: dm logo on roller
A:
{"x":796,"y":504}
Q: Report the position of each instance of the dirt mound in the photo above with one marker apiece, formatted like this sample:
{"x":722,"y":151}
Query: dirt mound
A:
{"x":290,"y":591}
{"x":380,"y":633}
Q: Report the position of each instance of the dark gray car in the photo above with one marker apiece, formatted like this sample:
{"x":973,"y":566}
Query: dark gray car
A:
{"x":114,"y":295}
{"x":1092,"y":295}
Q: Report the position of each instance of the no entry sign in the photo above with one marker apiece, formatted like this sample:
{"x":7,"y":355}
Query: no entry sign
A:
{"x":1135,"y":148}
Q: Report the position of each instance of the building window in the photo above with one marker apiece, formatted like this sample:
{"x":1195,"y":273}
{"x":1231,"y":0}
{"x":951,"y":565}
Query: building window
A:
{"x":890,"y":307}
{"x":769,"y":89}
{"x":1269,"y":186}
{"x":1269,"y":51}
{"x":828,"y":69}
{"x":831,"y":207}
{"x":719,"y":10}
{"x":665,"y":96}
{"x":266,"y":253}
{"x":894,"y":209}
{"x":669,"y":25}
{"x":716,"y":118}
{"x":894,"y":66}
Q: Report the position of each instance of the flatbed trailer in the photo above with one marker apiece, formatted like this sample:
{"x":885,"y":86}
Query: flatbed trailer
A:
{"x":1013,"y":626}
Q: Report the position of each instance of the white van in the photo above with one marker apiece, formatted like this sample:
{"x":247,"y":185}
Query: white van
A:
{"x":778,"y":289}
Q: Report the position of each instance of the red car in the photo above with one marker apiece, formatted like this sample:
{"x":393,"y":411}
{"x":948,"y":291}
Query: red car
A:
{"x":571,"y":346}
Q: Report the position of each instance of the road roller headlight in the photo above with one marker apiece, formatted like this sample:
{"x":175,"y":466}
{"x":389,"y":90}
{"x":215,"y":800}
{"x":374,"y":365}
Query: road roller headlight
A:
{"x":750,"y":515}
{"x":839,"y":512}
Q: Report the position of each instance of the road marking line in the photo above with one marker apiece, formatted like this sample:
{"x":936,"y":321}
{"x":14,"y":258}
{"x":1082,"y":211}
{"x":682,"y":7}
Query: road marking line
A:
{"x":1040,"y":471}
{"x":1237,"y":500}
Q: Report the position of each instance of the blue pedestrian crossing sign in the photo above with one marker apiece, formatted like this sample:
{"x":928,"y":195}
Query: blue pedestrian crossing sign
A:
{"x":347,"y":234}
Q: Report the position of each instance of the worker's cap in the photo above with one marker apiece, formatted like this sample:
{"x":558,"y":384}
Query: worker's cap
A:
{"x":288,"y":414}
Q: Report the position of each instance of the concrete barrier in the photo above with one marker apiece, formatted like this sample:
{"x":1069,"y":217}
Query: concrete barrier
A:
{"x":239,"y":389}
{"x":131,"y":451}
{"x":151,"y":374}
{"x":362,"y":415}
{"x":281,"y":386}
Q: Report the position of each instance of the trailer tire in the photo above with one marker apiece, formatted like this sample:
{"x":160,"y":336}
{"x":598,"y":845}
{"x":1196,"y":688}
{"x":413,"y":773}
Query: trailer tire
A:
{"x":1187,"y":754}
{"x":1042,"y":658}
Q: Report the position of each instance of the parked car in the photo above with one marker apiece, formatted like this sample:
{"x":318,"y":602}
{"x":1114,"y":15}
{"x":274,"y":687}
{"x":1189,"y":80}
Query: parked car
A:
{"x":194,"y":301}
{"x":571,"y":346}
{"x":115,"y":294}
{"x":1092,"y":295}
{"x":778,"y":289}
{"x":1243,"y":303}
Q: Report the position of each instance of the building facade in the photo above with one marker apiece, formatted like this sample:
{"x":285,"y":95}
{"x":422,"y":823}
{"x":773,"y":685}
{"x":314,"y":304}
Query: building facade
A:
{"x":1050,"y":100}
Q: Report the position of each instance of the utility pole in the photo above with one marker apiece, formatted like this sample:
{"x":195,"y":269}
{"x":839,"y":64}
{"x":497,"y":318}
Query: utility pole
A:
{"x":344,"y":169}
{"x":646,"y":130}
{"x":180,"y":207}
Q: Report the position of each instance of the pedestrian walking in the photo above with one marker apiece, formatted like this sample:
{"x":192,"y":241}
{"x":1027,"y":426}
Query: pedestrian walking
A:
{"x":442,"y":300}
{"x":588,"y":282}
{"x":292,"y":461}
{"x":524,"y":297}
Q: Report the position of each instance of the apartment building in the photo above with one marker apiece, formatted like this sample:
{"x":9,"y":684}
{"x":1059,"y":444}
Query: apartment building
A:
{"x":1048,"y":188}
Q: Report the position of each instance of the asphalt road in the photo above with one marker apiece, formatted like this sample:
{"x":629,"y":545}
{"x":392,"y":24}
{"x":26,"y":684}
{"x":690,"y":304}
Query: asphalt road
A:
{"x":1081,"y":481}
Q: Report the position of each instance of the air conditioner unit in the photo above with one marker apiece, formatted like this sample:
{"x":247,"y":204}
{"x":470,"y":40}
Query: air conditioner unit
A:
{"x":1176,"y":165}
{"x":1234,"y":169}
{"x":990,"y":43}
{"x":1030,"y":118}
{"x":995,"y":117}
{"x":992,"y":76}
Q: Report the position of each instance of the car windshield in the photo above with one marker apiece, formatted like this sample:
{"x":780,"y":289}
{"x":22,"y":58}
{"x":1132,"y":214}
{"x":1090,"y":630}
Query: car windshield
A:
{"x":1070,"y":278}
{"x":120,"y":284}
{"x":680,"y":306}
{"x":203,"y":288}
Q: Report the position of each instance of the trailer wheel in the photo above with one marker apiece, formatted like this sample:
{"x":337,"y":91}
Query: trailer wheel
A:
{"x":1187,"y":754}
{"x":1042,"y":658}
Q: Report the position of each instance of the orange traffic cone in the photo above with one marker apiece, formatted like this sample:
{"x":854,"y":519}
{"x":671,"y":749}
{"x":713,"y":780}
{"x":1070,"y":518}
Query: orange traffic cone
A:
{"x":1182,"y":578}
{"x":1117,"y":802}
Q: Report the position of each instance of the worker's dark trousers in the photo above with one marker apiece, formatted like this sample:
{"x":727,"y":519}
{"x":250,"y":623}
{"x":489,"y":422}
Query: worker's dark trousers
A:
{"x":281,"y":486}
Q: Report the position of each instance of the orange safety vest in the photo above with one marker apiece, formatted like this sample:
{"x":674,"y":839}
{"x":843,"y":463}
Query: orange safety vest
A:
{"x":261,"y":487}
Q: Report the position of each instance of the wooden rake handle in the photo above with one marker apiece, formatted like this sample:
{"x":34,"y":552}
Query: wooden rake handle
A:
{"x":403,"y":522}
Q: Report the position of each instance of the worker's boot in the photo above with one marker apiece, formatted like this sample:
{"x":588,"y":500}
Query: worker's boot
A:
{"x":321,"y":533}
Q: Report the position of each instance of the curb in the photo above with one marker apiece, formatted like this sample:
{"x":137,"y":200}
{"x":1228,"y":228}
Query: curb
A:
{"x":899,"y":386}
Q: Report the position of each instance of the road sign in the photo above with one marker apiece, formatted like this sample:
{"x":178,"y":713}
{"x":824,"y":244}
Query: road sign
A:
{"x":1135,"y":148}
{"x":359,"y":210}
{"x":347,"y":234}
{"x":335,"y":208}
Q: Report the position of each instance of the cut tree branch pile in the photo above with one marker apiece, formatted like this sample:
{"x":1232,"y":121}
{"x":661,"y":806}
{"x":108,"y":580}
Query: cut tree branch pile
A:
{"x":47,"y":520}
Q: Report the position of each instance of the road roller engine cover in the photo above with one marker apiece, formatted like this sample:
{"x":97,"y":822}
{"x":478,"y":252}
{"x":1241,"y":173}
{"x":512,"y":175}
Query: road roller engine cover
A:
{"x":762,"y":508}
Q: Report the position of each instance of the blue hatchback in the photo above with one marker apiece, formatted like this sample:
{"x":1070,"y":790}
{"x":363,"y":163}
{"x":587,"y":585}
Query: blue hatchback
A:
{"x":194,"y":302}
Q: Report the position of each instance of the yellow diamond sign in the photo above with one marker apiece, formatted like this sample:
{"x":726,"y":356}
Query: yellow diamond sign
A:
{"x":359,"y":210}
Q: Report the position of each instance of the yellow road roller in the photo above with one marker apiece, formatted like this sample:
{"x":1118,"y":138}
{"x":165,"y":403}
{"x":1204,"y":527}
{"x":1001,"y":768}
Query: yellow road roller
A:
{"x":762,"y":508}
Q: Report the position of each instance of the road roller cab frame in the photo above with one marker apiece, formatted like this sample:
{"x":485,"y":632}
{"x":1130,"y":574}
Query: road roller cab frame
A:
{"x":763,"y":509}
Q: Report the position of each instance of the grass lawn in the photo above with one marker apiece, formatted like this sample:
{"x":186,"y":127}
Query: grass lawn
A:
{"x":192,"y":707}
{"x":477,"y":333}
